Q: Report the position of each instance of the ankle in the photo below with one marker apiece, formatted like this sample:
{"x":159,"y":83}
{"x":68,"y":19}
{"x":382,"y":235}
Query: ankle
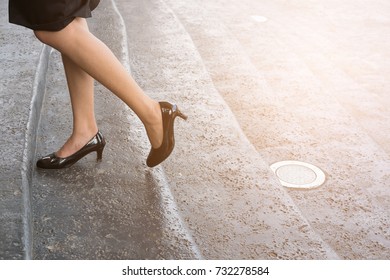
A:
{"x":154,"y":126}
{"x":152,"y":115}
{"x":85,"y":131}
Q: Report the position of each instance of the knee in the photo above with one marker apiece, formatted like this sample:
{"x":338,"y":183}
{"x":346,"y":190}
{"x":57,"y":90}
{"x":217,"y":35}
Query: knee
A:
{"x":47,"y":37}
{"x":43,"y":36}
{"x":59,"y":39}
{"x":55,"y":39}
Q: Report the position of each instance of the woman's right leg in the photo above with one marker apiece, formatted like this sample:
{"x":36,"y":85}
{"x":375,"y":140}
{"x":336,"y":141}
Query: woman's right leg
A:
{"x":95,"y":58}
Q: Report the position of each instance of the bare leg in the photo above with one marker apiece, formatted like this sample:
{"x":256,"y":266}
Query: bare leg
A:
{"x":81,"y":90}
{"x":91,"y":55}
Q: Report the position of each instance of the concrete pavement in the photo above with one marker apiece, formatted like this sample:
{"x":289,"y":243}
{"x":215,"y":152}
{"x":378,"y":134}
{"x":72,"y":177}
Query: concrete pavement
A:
{"x":19,"y":56}
{"x":310,"y":83}
{"x":240,"y":208}
{"x":215,"y":198}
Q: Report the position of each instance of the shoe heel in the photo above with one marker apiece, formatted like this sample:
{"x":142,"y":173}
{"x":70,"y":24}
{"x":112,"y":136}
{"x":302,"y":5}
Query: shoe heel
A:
{"x":181,"y":115}
{"x":99,"y":153}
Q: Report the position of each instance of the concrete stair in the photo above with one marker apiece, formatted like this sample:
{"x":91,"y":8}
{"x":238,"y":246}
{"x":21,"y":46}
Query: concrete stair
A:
{"x":215,"y":197}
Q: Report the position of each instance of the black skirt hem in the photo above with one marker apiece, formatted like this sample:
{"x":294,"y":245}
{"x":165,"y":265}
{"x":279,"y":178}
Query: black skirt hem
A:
{"x":53,"y":26}
{"x":19,"y":15}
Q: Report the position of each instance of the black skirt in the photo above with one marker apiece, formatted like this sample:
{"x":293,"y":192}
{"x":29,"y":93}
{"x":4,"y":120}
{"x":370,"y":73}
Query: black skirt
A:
{"x":49,"y":15}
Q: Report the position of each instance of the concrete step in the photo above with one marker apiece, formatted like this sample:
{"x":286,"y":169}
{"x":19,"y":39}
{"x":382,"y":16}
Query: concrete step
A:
{"x":233,"y":205}
{"x":293,"y":103}
{"x":19,"y":54}
{"x":214,"y":198}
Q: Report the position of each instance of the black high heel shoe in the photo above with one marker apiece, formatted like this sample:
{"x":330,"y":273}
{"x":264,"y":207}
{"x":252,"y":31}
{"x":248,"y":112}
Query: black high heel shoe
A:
{"x":96,"y":144}
{"x":169,"y":113}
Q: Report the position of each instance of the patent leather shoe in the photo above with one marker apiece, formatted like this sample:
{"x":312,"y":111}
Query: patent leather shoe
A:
{"x":169,"y":112}
{"x":52,"y":161}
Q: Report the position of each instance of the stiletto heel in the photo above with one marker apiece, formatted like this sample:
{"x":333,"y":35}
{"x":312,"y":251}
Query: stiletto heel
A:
{"x":52,"y":161}
{"x":169,"y":112}
{"x":181,"y":115}
{"x":100,"y":153}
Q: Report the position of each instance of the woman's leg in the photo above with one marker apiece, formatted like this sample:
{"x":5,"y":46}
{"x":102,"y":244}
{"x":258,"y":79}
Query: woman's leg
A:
{"x":86,"y":51}
{"x":81,"y":90}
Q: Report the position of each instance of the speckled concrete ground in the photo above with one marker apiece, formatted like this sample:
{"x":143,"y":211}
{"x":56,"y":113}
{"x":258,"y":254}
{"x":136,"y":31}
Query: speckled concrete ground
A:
{"x":307,"y":84}
{"x":17,"y":70}
{"x":240,"y":209}
{"x":310,"y":83}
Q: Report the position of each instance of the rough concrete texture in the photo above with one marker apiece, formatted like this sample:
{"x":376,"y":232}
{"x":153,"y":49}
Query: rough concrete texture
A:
{"x":307,"y":84}
{"x":232,"y":203}
{"x":18,"y":65}
{"x":310,"y":84}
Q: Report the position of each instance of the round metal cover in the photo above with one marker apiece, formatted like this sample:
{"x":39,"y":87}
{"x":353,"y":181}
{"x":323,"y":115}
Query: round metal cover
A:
{"x":297,"y":174}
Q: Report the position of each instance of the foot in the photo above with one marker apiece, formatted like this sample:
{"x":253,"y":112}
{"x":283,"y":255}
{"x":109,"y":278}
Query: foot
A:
{"x":168,"y":114}
{"x":75,"y":142}
{"x":52,"y":161}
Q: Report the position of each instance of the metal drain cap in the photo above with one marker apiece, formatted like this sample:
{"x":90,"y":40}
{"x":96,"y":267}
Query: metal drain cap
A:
{"x":298,"y":174}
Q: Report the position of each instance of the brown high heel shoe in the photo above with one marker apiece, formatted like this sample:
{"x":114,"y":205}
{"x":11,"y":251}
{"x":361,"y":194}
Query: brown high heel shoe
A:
{"x":169,"y":113}
{"x":52,"y":161}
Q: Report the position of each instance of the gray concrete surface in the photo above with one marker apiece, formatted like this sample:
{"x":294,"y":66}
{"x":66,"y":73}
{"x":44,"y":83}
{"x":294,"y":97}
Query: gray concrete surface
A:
{"x":310,"y":84}
{"x":240,"y":207}
{"x":255,"y":93}
{"x":19,"y":55}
